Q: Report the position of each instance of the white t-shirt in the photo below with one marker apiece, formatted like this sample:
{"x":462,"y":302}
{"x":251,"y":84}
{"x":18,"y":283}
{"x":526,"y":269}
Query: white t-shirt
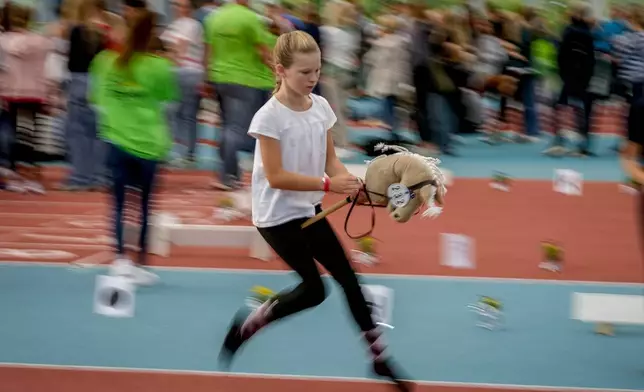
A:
{"x":190,"y":30}
{"x":302,"y":137}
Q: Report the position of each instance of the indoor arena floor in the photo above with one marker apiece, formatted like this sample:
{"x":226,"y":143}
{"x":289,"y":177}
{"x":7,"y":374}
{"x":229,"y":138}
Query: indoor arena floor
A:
{"x":51,"y":340}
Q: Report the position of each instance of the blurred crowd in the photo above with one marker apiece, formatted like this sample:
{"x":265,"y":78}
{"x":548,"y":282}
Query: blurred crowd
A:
{"x":423,"y":66}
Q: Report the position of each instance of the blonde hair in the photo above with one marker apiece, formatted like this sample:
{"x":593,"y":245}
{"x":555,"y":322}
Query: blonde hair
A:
{"x":338,"y":13}
{"x":388,"y":23}
{"x":288,"y":45}
{"x":19,"y":16}
{"x":70,"y":11}
{"x":456,"y":27}
{"x":581,"y":10}
{"x":636,"y":15}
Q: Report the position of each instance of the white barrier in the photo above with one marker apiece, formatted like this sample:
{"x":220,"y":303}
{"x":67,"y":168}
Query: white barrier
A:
{"x":606,"y":310}
{"x":167,"y":230}
{"x":158,"y":234}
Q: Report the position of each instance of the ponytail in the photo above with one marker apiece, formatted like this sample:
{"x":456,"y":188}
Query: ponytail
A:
{"x":139,"y":36}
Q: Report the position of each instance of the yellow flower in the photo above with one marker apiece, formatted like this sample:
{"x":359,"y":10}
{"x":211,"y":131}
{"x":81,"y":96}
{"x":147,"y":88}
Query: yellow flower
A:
{"x":263,"y":291}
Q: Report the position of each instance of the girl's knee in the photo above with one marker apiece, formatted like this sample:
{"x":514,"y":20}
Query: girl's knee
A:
{"x":315,"y":293}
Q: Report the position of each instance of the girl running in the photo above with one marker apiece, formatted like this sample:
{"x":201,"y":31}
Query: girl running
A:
{"x":129,"y":89}
{"x":293,"y":152}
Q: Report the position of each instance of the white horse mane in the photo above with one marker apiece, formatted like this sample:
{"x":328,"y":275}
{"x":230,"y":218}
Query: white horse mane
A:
{"x":430,"y":163}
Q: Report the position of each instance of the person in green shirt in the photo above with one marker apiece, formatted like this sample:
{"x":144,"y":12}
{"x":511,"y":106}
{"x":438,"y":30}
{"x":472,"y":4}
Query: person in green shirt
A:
{"x":237,"y":59}
{"x":129,"y":90}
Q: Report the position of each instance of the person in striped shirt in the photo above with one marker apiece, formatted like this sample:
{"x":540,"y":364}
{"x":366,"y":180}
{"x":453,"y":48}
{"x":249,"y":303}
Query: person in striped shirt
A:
{"x":631,"y":55}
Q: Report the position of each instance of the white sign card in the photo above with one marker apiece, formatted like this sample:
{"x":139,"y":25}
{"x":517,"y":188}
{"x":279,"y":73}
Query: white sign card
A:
{"x":568,"y":182}
{"x":114,"y":296}
{"x":457,"y":251}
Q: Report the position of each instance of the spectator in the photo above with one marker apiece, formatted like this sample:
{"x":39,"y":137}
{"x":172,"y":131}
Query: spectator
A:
{"x":237,"y":58}
{"x":576,"y":63}
{"x":86,"y":150}
{"x":184,"y":40}
{"x":130,"y":88}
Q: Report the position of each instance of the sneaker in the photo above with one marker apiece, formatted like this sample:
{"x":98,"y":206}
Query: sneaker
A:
{"x":15,"y":186}
{"x":234,"y":338}
{"x":71,"y":188}
{"x":144,"y":277}
{"x":555,"y":151}
{"x":34,"y":187}
{"x":220,"y":186}
{"x":582,"y":154}
{"x":138,"y":275}
{"x":247,"y":322}
{"x":522,"y":138}
{"x":121,"y":267}
{"x":382,"y":364}
{"x":384,"y":368}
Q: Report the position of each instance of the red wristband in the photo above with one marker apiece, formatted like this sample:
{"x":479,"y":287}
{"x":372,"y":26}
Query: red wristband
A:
{"x":327,"y":182}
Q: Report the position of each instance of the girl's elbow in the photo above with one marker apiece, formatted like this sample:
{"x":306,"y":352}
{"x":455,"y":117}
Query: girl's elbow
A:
{"x":275,"y":180}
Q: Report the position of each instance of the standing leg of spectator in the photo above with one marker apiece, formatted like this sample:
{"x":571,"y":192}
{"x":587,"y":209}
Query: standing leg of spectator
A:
{"x":389,"y":112}
{"x":129,"y":170}
{"x":557,"y":146}
{"x":148,"y":175}
{"x":188,"y":111}
{"x":14,"y":147}
{"x":118,"y":162}
{"x":219,"y":135}
{"x":241,"y":103}
{"x":584,"y":123}
{"x":335,"y":86}
{"x":29,"y":139}
{"x":78,"y":137}
{"x":444,"y":121}
{"x":530,"y":108}
{"x":6,"y":139}
{"x":421,"y":81}
{"x":173,"y":109}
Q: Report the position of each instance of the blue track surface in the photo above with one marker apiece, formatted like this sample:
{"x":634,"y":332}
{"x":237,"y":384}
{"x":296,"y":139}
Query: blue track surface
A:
{"x":180,"y":324}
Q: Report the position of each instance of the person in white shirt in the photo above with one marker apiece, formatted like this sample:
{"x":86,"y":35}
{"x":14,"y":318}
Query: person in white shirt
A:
{"x":340,"y":37}
{"x":184,"y":38}
{"x":293,"y":152}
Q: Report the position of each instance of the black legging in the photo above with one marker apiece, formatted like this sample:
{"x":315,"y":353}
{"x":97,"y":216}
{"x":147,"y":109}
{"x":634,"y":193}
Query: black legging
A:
{"x":130,"y":170}
{"x":300,"y":248}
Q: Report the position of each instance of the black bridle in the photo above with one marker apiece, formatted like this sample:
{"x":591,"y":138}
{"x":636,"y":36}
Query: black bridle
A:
{"x":366,"y":192}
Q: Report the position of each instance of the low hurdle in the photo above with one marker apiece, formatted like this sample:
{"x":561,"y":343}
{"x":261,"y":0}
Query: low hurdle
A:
{"x":166,"y":230}
{"x":608,"y":310}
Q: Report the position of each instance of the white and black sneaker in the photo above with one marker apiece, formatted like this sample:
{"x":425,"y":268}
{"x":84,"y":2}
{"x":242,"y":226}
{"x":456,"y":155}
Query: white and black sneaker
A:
{"x":136,"y":274}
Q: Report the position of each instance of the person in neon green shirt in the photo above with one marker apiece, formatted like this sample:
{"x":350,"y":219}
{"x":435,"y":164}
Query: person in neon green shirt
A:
{"x":238,"y":57}
{"x":129,"y":90}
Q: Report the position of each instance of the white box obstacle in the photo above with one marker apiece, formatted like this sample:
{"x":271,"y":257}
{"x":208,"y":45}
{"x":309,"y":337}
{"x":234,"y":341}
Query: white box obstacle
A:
{"x":607,"y":310}
{"x":166,"y":230}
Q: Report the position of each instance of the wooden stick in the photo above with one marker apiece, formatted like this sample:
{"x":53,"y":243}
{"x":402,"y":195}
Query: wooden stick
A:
{"x":328,"y":211}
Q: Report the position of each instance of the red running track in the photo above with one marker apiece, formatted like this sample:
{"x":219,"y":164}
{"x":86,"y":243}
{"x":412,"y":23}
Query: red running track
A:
{"x":597,"y":231}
